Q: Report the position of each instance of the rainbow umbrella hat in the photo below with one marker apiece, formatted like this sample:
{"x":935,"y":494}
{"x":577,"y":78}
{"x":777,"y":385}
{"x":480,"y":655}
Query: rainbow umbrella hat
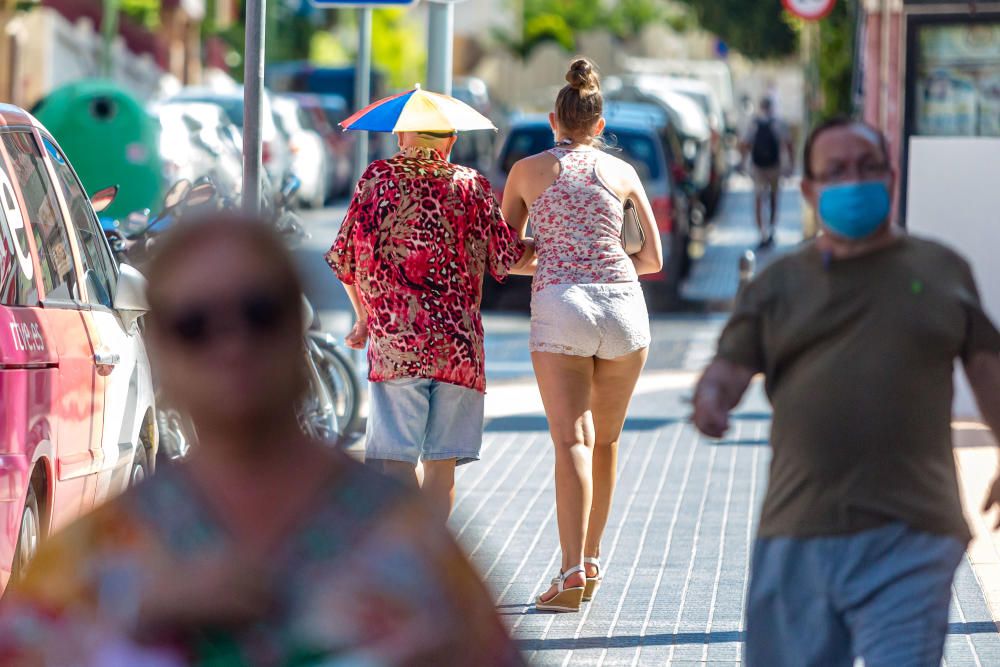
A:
{"x":418,"y":110}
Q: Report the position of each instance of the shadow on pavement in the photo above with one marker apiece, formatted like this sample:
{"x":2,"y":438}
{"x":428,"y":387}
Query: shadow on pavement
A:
{"x":629,"y":641}
{"x":528,"y":423}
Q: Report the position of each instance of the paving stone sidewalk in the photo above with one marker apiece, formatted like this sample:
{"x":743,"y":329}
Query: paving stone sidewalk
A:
{"x":676,"y":550}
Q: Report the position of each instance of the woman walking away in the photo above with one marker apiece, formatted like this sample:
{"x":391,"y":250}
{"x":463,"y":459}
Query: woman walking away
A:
{"x":589,"y":326}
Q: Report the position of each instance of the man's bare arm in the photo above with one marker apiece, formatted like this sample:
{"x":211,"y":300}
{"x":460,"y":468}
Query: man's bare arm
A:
{"x":983,"y":371}
{"x":719,"y":390}
{"x":358,"y":336}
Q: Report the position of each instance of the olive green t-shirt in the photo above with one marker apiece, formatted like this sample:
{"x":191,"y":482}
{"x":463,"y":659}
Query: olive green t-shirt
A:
{"x":858,"y":357}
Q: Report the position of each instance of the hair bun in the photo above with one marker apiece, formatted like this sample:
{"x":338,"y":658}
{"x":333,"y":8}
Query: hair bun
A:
{"x":582,"y":76}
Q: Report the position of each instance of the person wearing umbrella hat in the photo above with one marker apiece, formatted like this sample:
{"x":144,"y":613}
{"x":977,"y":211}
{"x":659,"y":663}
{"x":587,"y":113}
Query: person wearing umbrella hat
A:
{"x":417,"y":240}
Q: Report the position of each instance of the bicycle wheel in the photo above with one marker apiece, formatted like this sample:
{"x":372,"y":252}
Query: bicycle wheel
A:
{"x":339,"y":370}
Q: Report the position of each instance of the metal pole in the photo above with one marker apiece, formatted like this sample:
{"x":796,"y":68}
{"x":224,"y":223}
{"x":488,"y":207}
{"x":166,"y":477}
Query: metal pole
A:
{"x":362,"y":85}
{"x":253,"y":104}
{"x":109,"y":30}
{"x":440,"y":37}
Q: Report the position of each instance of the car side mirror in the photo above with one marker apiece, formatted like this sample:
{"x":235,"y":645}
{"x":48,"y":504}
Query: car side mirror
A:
{"x":102,"y":199}
{"x":130,"y":295}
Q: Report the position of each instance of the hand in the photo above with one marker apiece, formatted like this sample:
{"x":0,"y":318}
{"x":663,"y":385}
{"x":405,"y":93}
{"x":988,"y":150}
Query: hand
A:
{"x":993,"y":500}
{"x":709,"y":416}
{"x":358,"y":338}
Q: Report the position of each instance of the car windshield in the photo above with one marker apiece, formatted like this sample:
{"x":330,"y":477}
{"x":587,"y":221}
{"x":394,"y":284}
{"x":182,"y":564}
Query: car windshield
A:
{"x":636,"y":148}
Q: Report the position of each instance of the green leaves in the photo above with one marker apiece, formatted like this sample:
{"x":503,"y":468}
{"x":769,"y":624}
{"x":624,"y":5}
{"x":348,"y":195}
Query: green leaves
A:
{"x":757,"y":28}
{"x":559,"y":21}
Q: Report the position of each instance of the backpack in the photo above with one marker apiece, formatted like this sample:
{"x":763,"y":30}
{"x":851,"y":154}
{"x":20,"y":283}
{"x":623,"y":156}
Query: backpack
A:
{"x":766,"y":150}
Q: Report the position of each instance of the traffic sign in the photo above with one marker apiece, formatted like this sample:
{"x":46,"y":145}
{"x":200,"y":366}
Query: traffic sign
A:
{"x":810,"y":10}
{"x":334,"y":4}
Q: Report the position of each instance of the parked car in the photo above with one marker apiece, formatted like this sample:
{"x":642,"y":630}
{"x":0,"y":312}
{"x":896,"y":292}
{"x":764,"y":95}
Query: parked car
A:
{"x":475,"y":149}
{"x":639,"y":145}
{"x":686,"y":115}
{"x":703,"y":95}
{"x":309,"y":153}
{"x":75,"y":389}
{"x":686,"y":202}
{"x":336,"y":82}
{"x":327,"y":111}
{"x":198,"y":140}
{"x":276,"y":154}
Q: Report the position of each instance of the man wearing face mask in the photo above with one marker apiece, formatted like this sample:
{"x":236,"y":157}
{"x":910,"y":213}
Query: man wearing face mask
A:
{"x":856,"y":335}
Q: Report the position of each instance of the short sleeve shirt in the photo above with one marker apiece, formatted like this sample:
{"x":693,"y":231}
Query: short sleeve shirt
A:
{"x":858,"y":357}
{"x":417,"y":241}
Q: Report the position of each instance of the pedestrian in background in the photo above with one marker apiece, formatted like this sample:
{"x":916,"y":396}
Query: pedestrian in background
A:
{"x":418,"y":238}
{"x":769,"y":146}
{"x":589,"y":325}
{"x":856,"y":334}
{"x":265,"y":547}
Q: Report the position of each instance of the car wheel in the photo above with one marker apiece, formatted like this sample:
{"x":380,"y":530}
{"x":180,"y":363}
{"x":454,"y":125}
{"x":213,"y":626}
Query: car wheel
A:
{"x":140,"y":466}
{"x":28,"y":535}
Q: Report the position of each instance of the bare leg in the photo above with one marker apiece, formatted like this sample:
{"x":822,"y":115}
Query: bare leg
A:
{"x":439,"y":486}
{"x":564,"y":382}
{"x":758,"y":198}
{"x":775,"y":193}
{"x":614,"y":382}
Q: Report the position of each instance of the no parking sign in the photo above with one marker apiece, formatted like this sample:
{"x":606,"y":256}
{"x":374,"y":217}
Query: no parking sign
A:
{"x":810,"y":10}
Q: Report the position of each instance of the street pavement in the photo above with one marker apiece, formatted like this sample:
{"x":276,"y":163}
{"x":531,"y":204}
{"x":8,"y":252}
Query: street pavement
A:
{"x":677,"y":548}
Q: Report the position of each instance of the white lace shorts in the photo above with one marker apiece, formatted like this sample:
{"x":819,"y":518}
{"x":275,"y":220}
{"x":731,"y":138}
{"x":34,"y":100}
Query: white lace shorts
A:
{"x":606,"y":320}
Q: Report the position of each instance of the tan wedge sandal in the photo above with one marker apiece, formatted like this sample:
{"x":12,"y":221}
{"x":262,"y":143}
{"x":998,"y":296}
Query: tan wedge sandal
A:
{"x":593,"y":583}
{"x":567,"y":599}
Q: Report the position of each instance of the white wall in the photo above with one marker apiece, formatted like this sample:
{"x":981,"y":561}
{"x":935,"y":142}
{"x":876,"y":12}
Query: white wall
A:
{"x":953,"y":197}
{"x":59,"y":52}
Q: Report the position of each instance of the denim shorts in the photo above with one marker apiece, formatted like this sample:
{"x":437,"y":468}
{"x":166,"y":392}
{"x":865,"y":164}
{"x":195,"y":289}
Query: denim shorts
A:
{"x":416,"y":419}
{"x":881,"y":595}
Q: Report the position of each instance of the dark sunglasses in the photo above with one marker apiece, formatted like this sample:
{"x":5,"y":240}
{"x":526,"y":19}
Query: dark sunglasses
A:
{"x":257,"y":314}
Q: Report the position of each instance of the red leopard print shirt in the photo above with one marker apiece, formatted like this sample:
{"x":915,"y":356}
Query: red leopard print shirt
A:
{"x":417,"y":240}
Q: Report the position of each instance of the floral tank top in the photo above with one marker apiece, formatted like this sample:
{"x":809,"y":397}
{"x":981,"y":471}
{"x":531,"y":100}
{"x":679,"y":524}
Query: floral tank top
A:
{"x":577,"y":224}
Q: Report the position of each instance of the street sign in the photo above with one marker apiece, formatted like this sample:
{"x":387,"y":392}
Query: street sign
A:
{"x":334,"y":4}
{"x":810,"y":10}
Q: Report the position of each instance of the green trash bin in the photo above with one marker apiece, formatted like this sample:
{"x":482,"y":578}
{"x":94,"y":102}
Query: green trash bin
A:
{"x":111,"y":140}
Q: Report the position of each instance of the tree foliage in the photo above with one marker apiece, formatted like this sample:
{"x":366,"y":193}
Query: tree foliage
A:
{"x":559,"y":21}
{"x":836,"y":60}
{"x":757,"y":29}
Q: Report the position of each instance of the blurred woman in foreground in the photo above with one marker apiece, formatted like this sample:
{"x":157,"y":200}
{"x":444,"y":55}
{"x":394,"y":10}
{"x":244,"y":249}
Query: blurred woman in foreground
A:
{"x":266,"y":547}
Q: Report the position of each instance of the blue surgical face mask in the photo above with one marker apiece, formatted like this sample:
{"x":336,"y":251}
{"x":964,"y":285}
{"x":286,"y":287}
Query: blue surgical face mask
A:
{"x":855,"y":210}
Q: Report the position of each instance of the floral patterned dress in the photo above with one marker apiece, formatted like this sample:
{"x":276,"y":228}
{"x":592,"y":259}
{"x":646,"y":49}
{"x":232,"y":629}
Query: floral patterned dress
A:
{"x":367,"y":579}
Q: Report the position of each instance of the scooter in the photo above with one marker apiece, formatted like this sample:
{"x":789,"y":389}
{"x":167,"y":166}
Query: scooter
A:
{"x":329,"y":410}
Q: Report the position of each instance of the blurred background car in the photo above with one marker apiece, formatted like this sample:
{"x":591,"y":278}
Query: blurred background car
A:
{"x":689,"y":119}
{"x":198,"y":140}
{"x":326,"y":112}
{"x":707,"y":100}
{"x":309,"y":152}
{"x":476,"y":149}
{"x":331,"y":83}
{"x":632,"y":139}
{"x":276,"y":154}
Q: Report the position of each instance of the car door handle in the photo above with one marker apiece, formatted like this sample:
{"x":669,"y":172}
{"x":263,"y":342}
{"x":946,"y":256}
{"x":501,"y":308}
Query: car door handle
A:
{"x":107,"y":359}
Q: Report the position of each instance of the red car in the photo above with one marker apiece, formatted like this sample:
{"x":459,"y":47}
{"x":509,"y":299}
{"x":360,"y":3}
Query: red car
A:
{"x":76,"y":397}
